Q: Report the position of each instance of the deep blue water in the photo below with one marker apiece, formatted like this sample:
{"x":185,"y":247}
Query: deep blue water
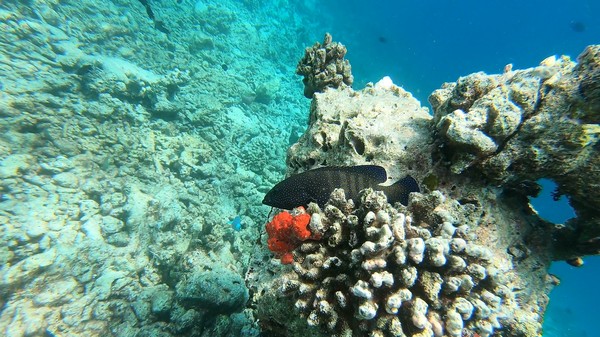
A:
{"x":422,"y":44}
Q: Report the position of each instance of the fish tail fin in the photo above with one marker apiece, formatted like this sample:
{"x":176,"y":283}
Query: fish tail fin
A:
{"x":400,"y":190}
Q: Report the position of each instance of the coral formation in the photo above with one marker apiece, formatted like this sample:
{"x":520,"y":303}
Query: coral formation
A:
{"x":509,"y":129}
{"x":382,"y":123}
{"x":323,"y":66}
{"x":123,"y":153}
{"x":287,"y":231}
{"x":524,"y":125}
{"x":382,"y":271}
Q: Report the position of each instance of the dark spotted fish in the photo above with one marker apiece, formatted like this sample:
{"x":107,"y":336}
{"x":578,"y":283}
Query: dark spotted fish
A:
{"x":316,"y":186}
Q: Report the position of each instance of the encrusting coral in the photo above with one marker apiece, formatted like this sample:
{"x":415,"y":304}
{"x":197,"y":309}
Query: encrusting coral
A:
{"x":323,"y":66}
{"x":385,"y":271}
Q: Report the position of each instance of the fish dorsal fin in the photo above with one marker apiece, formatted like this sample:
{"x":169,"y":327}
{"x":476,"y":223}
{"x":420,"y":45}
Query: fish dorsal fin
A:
{"x":400,"y":190}
{"x":375,"y":172}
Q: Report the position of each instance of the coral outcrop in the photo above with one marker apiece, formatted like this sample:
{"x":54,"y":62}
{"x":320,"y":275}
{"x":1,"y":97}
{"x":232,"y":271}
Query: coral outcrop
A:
{"x":470,"y":256}
{"x":323,"y":66}
{"x":523,"y":125}
{"x":379,"y":124}
{"x":383,"y":271}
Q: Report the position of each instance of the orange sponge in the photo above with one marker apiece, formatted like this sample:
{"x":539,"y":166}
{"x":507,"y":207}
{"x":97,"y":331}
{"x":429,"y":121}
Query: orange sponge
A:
{"x":286,"y":232}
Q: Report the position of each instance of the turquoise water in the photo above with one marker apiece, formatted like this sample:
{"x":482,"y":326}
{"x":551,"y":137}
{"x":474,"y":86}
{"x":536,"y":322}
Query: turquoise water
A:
{"x":133,"y":132}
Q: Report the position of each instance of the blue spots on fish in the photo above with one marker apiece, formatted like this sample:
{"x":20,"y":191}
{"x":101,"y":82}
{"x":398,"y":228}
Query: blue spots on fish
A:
{"x":316,"y":186}
{"x":236,"y":223}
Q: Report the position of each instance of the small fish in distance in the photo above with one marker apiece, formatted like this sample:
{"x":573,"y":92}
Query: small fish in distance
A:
{"x":316,"y":186}
{"x":236,"y":223}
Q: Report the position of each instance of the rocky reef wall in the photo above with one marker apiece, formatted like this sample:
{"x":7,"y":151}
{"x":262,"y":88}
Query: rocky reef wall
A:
{"x":523,"y":125}
{"x":127,"y":144}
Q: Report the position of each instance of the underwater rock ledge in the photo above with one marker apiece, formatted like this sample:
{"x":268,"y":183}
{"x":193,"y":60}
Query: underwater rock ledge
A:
{"x":477,"y":159}
{"x":524,"y":125}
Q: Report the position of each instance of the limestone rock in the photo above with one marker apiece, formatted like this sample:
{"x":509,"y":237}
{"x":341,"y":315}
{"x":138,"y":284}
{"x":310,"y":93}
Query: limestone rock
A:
{"x":525,"y":125}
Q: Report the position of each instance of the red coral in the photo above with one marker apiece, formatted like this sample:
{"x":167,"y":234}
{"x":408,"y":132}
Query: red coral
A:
{"x":286,"y":232}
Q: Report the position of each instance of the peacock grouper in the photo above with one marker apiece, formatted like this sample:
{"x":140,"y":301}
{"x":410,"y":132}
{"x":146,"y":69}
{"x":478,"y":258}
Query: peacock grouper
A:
{"x":316,"y":186}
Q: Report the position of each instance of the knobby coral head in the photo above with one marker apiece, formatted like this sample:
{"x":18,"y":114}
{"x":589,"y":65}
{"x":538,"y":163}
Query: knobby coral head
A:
{"x":286,"y":231}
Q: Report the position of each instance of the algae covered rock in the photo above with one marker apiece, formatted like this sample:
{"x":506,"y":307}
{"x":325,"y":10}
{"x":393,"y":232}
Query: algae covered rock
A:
{"x":525,"y":125}
{"x":380,"y":124}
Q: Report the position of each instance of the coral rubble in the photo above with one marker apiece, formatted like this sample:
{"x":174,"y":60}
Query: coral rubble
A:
{"x":123,"y":153}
